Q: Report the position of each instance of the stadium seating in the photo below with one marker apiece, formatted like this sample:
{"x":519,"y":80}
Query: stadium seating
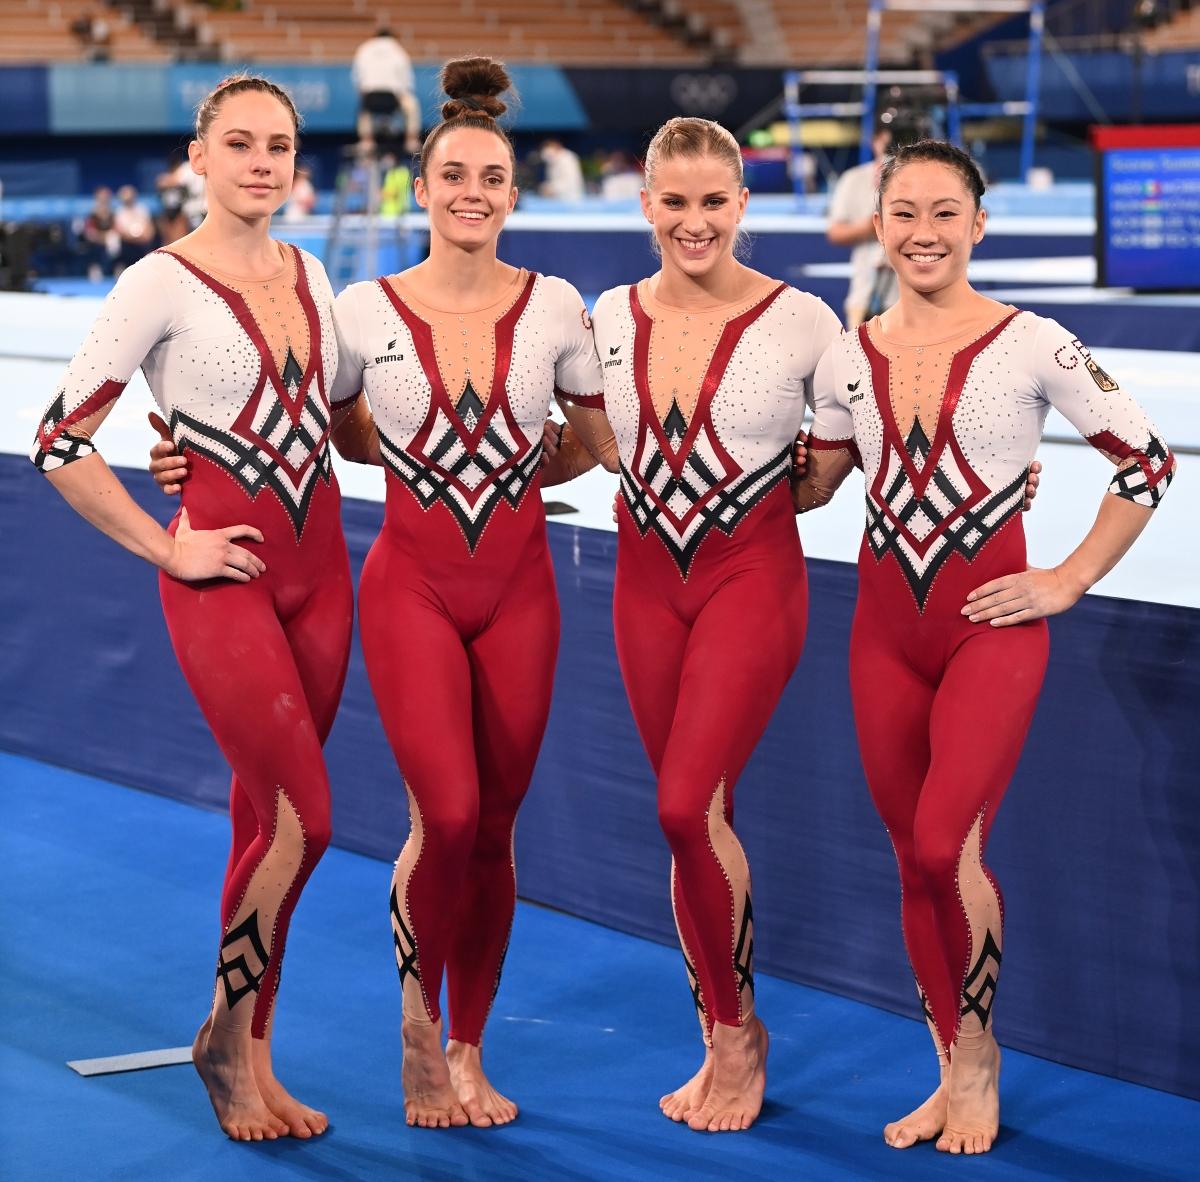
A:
{"x":33,"y":31}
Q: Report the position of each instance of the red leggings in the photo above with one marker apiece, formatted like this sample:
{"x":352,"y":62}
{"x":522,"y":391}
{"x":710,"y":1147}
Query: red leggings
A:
{"x":942,"y":707}
{"x":704,"y":662}
{"x":460,"y":651}
{"x":266,"y":661}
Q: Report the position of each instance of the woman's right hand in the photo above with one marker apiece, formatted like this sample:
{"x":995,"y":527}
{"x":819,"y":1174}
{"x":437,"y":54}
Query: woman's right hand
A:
{"x":198,"y":554}
{"x":167,"y":466}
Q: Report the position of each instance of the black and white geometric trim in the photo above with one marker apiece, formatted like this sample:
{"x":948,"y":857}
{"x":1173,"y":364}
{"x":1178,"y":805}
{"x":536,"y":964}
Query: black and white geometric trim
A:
{"x":966,"y":534}
{"x":254,"y":468}
{"x":450,"y":466}
{"x":657,"y":498}
{"x":1131,"y":482}
{"x":67,"y":448}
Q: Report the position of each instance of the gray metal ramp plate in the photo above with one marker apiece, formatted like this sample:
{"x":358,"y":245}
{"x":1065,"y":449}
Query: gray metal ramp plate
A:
{"x":138,"y":1061}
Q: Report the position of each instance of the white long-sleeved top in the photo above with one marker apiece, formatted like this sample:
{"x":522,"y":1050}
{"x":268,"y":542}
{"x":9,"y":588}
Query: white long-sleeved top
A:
{"x":465,"y":433}
{"x":685,"y":475}
{"x":214,"y":372}
{"x":934,"y":490}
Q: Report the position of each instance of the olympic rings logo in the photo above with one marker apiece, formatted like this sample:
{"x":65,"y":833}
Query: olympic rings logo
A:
{"x":703,"y":94}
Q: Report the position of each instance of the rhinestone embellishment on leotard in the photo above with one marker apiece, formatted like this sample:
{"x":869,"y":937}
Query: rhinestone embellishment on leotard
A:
{"x":470,"y":480}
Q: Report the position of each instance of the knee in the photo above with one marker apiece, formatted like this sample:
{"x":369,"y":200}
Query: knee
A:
{"x":494,"y":837}
{"x":935,"y":859}
{"x":449,"y":827}
{"x":683,"y":819}
{"x":318,"y":832}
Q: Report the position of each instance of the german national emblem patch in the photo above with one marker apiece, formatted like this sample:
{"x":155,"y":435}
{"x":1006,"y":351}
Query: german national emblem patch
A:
{"x":1067,"y":360}
{"x":1100,"y":377}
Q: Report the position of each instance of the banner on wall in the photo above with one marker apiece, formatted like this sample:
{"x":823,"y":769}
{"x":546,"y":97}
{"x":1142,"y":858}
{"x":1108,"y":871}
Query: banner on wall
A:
{"x":94,"y":99}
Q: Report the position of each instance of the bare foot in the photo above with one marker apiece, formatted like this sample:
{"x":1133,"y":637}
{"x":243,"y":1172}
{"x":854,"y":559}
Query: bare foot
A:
{"x":301,"y":1121}
{"x":483,"y":1105}
{"x":223,"y":1062}
{"x":430,"y":1101}
{"x":681,"y":1103}
{"x":739,"y":1078}
{"x":973,"y":1113}
{"x":922,"y":1124}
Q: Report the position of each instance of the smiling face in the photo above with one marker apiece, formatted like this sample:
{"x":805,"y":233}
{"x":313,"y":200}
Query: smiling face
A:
{"x":248,"y":155}
{"x":468,"y":188}
{"x":695,"y":205}
{"x":928,"y":224}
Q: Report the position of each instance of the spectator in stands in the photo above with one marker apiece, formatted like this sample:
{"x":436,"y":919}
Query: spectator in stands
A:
{"x":172,"y":221}
{"x":851,"y":209}
{"x":134,"y":226}
{"x":563,"y":177}
{"x":303,"y":198}
{"x":383,"y":77}
{"x":620,"y":177}
{"x":92,"y":29}
{"x":182,"y":174}
{"x":395,"y":189}
{"x":98,"y":237}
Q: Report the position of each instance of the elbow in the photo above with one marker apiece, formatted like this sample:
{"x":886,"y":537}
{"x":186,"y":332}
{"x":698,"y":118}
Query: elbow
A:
{"x":1143,"y":482}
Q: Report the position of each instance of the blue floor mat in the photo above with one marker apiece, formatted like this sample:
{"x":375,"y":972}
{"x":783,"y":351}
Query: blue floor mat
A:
{"x":109,"y":920}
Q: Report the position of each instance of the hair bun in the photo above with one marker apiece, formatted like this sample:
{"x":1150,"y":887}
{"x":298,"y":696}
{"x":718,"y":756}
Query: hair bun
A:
{"x":474,"y":84}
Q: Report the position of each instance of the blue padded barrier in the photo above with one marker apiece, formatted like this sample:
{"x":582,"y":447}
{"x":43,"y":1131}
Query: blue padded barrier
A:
{"x":1096,"y":847}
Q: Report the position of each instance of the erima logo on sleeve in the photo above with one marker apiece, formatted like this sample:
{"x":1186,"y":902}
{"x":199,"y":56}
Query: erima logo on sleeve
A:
{"x":388,"y":355}
{"x":851,"y":387}
{"x":613,"y":359}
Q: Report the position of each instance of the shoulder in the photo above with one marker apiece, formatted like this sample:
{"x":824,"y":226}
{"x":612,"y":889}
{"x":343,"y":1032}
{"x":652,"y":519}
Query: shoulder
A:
{"x":314,"y":269}
{"x":149,"y":279}
{"x":801,"y":302}
{"x":155,"y":267}
{"x":356,"y":293}
{"x":312,"y":264}
{"x":356,"y":304}
{"x":811,"y":312}
{"x":556,"y":291}
{"x":612,"y":303}
{"x":1039,"y":334}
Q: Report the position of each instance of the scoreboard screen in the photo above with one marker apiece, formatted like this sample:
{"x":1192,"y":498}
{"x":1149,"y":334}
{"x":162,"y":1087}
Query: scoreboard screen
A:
{"x":1148,"y":217}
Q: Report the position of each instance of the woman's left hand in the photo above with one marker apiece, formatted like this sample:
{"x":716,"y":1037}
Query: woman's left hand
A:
{"x":1016,"y":599}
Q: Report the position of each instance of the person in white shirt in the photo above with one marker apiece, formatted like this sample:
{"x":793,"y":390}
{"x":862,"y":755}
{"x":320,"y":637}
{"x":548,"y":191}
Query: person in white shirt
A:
{"x":383,"y":77}
{"x":851,"y":209}
{"x":133,"y":224}
{"x":564,"y":174}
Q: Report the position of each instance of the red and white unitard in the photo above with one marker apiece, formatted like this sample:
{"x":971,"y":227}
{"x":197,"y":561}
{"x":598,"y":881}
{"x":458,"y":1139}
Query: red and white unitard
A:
{"x":710,"y":601}
{"x":241,"y":371}
{"x":946,"y":433}
{"x":457,"y":605}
